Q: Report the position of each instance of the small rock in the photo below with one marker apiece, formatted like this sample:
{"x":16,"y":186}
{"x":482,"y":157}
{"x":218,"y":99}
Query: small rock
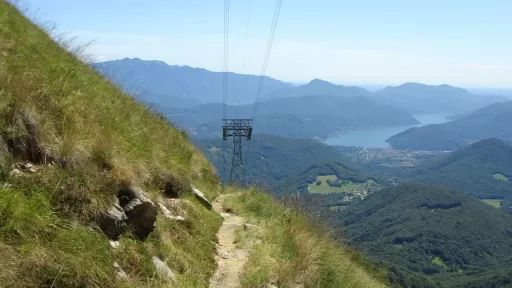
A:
{"x":168,"y":213}
{"x":225,"y":255}
{"x":201,"y":197}
{"x":16,"y":171}
{"x":120,"y":272}
{"x":248,"y":226}
{"x":224,"y":215}
{"x":114,"y":244}
{"x":163,"y":269}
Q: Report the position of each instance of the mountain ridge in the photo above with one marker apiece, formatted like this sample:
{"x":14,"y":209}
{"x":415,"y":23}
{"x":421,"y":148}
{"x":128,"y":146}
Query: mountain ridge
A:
{"x":487,"y":122}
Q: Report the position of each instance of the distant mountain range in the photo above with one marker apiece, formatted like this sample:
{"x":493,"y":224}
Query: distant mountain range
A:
{"x":492,"y":121}
{"x":182,"y":86}
{"x":418,"y":98}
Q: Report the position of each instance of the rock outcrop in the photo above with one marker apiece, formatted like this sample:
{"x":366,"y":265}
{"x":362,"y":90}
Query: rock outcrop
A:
{"x":140,"y":210}
{"x":113,"y":222}
{"x":133,"y":209}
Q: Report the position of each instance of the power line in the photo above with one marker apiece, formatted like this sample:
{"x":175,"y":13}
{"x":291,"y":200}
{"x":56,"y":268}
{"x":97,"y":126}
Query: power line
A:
{"x":247,"y":34}
{"x":224,"y":75}
{"x":226,"y":58}
{"x":267,"y":55}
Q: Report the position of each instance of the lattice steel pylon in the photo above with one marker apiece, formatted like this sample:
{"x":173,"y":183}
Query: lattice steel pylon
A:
{"x":238,"y":129}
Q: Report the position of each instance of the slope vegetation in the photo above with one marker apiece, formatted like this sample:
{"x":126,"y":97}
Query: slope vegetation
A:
{"x":287,"y":251}
{"x":70,"y":143}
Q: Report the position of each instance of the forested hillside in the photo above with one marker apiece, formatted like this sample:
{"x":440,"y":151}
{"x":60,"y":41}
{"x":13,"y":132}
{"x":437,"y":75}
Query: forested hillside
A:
{"x":481,"y":169}
{"x":270,"y":158}
{"x":443,"y":233}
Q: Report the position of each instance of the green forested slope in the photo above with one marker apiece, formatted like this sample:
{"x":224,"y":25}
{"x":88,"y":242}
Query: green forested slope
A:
{"x":431,"y":230}
{"x":473,"y":169}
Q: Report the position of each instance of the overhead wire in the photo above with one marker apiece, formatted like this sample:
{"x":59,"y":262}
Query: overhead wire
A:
{"x":225,"y":80}
{"x":226,"y":57}
{"x":247,"y":35}
{"x":270,"y":41}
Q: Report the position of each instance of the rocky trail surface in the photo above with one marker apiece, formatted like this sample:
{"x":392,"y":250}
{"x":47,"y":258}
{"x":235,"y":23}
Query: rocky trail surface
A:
{"x":230,"y":258}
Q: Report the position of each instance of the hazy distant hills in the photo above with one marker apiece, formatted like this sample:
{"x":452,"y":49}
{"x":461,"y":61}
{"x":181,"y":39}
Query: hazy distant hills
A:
{"x":492,"y":121}
{"x":419,"y":98}
{"x":182,"y":86}
{"x":297,"y":117}
{"x":318,"y":87}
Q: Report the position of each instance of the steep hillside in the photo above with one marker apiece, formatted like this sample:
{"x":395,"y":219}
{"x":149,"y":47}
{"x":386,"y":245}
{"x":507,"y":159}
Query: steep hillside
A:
{"x":419,"y":98}
{"x":298,"y":117}
{"x":439,"y":232}
{"x":96,"y":190}
{"x":481,"y":169}
{"x":182,"y":86}
{"x":488,"y":122}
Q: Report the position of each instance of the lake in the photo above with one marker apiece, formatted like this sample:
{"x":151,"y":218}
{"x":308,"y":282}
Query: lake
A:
{"x":376,"y":137}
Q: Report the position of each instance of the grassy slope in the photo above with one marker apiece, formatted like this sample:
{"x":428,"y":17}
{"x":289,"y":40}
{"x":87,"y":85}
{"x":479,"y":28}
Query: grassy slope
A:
{"x":47,"y":232}
{"x":292,"y":252}
{"x":100,"y":140}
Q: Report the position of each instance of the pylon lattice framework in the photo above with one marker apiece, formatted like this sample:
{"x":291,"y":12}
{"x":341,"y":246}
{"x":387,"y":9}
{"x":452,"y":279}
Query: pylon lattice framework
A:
{"x":238,"y":129}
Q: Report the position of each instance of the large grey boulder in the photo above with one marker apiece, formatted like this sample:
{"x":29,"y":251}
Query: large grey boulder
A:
{"x":132,"y":209}
{"x":140,"y":210}
{"x":113,"y":222}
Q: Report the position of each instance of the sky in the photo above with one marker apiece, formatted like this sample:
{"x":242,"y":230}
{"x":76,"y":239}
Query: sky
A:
{"x":459,"y":42}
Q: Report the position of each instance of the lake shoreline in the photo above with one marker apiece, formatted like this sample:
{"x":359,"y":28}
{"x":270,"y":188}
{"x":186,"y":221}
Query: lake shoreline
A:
{"x":376,"y":137}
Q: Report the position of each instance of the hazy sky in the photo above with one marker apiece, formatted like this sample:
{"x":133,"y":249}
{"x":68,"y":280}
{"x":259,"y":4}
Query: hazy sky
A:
{"x":458,"y":42}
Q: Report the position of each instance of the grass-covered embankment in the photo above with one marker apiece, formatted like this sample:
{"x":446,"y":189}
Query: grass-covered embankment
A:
{"x":289,"y":251}
{"x":86,"y":140}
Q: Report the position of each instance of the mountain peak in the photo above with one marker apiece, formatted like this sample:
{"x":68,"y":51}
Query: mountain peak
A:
{"x":320,"y":82}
